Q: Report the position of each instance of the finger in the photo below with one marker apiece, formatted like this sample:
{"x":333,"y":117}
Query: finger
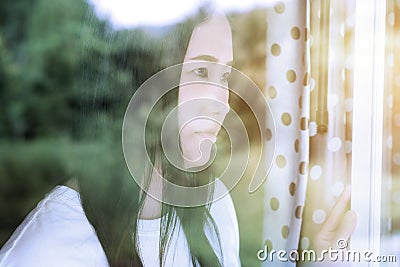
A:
{"x":347,"y":227}
{"x":337,"y":212}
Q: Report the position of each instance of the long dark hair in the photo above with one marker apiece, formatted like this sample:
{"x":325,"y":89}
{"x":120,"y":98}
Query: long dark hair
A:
{"x":113,"y":205}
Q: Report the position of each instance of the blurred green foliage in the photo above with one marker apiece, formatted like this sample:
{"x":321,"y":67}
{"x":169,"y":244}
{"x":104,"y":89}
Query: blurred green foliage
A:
{"x":62,"y":59}
{"x":66,"y":77}
{"x":26,"y":172}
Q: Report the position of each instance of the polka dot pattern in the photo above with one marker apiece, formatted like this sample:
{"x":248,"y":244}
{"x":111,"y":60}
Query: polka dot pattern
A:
{"x":315,"y":172}
{"x":298,"y":212}
{"x":389,"y":142}
{"x":348,"y":147}
{"x":304,"y":124}
{"x":300,"y":102}
{"x":285,"y":231}
{"x":295,"y":33}
{"x":286,"y":119}
{"x":280,"y":161}
{"x":292,"y":189}
{"x":272,"y":92}
{"x":319,"y":216}
{"x":305,"y":243}
{"x":334,"y":144}
{"x":275,"y":50}
{"x":274,"y":203}
{"x":291,"y":76}
{"x":279,"y":7}
{"x":313,"y":128}
{"x":268,"y":243}
{"x":312,"y":84}
{"x":303,"y":167}
{"x":306,"y":79}
{"x":268,"y":134}
{"x":306,"y":34}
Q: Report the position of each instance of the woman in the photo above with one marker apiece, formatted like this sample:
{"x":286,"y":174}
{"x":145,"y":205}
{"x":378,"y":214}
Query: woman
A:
{"x":123,"y":223}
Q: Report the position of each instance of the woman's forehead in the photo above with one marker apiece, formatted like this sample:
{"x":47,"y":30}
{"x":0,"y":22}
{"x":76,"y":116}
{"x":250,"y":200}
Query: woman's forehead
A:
{"x":212,"y":38}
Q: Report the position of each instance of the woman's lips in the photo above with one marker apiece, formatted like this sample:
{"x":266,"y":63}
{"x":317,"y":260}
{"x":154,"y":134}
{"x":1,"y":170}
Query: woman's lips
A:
{"x":208,"y":135}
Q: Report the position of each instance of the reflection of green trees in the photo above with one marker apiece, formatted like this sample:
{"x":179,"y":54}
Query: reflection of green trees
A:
{"x":60,"y":58}
{"x":45,"y":58}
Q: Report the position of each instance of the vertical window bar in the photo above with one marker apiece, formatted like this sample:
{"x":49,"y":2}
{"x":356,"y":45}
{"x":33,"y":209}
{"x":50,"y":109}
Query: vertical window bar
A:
{"x":368,"y":124}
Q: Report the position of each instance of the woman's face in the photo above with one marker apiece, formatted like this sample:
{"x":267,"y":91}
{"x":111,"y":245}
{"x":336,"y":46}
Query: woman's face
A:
{"x":203,"y":100}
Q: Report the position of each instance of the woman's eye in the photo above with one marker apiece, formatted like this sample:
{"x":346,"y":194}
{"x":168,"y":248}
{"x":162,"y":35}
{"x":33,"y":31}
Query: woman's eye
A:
{"x":225,"y":76}
{"x":201,"y":72}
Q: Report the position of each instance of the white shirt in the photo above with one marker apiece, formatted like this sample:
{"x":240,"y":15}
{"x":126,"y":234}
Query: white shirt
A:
{"x":57,"y":233}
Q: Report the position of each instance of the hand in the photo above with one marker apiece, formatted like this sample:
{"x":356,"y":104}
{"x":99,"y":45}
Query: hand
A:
{"x":339,"y":224}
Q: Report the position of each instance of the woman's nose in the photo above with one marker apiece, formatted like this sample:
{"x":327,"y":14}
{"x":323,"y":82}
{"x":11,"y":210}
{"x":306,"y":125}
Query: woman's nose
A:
{"x":218,"y":109}
{"x":220,"y":94}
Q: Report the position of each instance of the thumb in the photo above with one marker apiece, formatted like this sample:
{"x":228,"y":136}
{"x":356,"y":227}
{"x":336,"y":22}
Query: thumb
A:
{"x":347,"y":226}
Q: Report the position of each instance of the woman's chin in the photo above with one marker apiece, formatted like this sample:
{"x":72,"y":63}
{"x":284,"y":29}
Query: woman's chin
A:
{"x":200,"y":159}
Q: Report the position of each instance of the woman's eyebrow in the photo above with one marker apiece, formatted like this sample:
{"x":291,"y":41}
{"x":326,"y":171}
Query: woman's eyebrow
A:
{"x":209,"y":58}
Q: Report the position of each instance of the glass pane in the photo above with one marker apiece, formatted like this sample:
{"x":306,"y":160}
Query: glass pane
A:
{"x":390,"y":205}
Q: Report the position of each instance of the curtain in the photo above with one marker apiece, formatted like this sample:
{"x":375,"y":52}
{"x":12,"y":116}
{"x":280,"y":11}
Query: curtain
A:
{"x":332,"y":53}
{"x":310,"y":47}
{"x":287,"y":89}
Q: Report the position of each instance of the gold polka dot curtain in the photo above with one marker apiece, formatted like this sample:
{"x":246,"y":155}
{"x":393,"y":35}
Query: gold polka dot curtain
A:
{"x":287,"y":89}
{"x":310,"y":48}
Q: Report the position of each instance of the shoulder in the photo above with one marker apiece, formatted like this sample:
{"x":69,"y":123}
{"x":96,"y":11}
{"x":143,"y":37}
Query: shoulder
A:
{"x":223,"y":212}
{"x":55,"y":233}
